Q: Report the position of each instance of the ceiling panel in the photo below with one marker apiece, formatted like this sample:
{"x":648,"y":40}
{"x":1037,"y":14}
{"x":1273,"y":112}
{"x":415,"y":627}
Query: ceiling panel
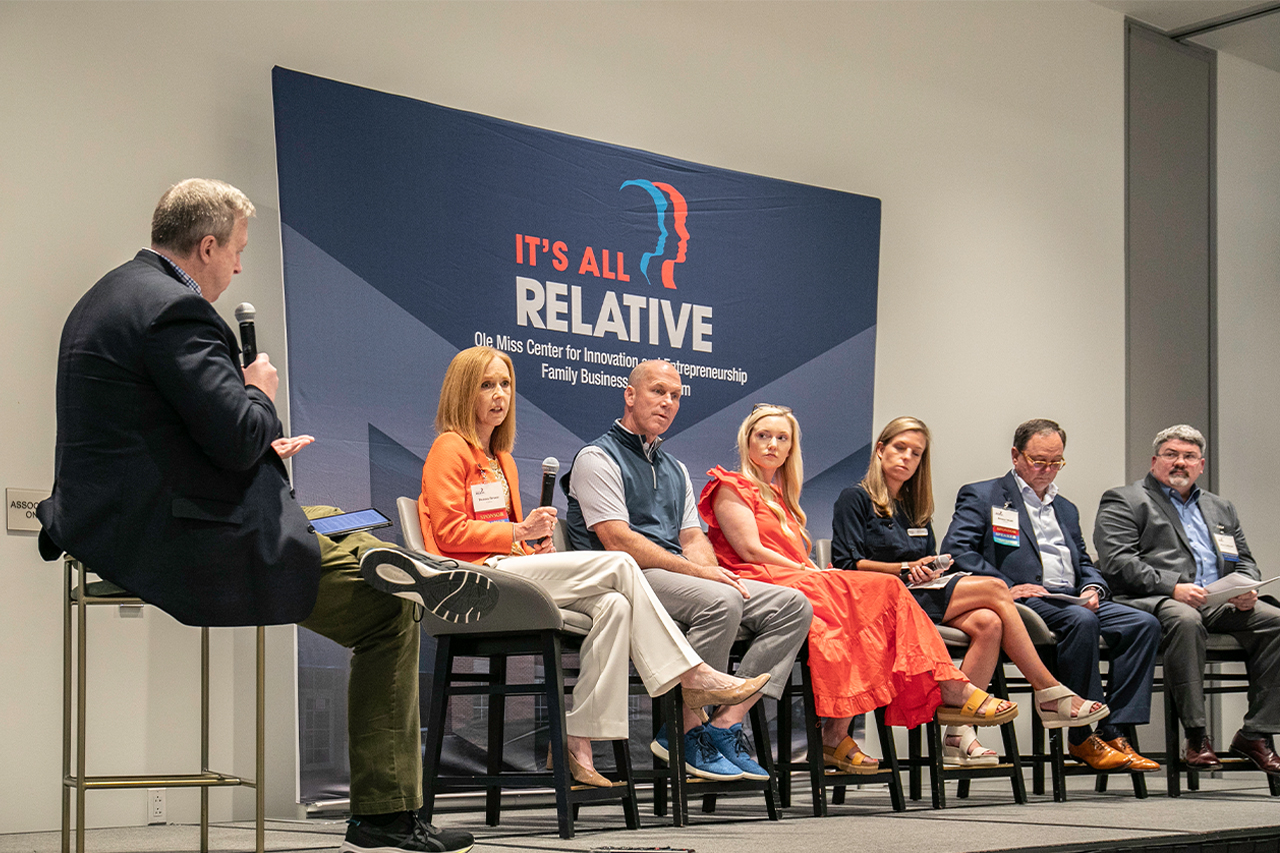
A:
{"x":1256,"y":40}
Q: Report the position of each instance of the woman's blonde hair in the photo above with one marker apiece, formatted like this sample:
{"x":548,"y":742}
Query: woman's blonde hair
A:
{"x":916,"y":494}
{"x":789,"y":477}
{"x":457,"y":409}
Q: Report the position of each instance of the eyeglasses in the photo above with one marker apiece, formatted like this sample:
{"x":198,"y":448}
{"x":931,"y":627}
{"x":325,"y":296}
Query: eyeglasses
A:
{"x":1171,"y":457}
{"x":786,"y":410}
{"x":1042,"y":464}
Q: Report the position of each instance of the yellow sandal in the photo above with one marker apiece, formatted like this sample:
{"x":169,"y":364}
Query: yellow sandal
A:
{"x":839,"y":758}
{"x":969,"y":715}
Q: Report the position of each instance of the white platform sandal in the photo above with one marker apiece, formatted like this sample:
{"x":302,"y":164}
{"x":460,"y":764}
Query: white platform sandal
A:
{"x":965,"y":755}
{"x":1061,"y":717}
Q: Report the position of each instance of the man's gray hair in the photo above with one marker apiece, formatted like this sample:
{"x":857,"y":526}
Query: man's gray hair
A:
{"x":1180,"y":432}
{"x":194,"y":209}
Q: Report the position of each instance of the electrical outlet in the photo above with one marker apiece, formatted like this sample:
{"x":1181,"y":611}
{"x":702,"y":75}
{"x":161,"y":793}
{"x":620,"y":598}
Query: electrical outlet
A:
{"x":155,"y":805}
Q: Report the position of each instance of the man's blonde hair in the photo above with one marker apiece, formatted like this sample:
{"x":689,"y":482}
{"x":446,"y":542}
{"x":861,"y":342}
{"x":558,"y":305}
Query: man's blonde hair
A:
{"x":194,"y":209}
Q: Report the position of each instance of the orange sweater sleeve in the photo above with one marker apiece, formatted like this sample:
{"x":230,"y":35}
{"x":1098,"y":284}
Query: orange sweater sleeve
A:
{"x":448,"y":520}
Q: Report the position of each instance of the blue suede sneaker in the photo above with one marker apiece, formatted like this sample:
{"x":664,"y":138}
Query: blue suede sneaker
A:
{"x":732,"y":744}
{"x":701,"y":758}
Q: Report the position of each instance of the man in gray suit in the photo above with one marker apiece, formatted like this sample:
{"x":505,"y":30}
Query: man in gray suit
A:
{"x":1160,"y":542}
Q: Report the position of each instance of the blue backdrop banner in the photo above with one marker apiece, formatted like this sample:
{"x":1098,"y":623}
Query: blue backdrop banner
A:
{"x":411,"y":231}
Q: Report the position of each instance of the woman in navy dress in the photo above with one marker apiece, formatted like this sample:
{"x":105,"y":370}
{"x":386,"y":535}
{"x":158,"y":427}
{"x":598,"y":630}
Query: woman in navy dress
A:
{"x":884,"y":524}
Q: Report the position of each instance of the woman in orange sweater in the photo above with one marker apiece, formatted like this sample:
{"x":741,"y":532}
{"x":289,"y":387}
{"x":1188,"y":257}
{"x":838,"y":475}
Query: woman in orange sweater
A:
{"x":470,"y":510}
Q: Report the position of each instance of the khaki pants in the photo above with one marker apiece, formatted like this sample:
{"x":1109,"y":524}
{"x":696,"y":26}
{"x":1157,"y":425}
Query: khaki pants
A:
{"x":627,"y":621}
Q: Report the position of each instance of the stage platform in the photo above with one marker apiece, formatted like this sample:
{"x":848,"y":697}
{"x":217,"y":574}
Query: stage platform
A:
{"x":1234,"y":814}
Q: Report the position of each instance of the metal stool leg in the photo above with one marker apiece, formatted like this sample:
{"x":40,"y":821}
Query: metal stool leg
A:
{"x":81,"y":717}
{"x":66,"y":714}
{"x":204,"y":737}
{"x":260,"y":772}
{"x":76,"y":595}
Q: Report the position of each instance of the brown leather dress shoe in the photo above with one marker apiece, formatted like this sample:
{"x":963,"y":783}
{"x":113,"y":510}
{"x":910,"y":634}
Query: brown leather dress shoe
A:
{"x":1200,"y":756}
{"x":1259,"y":751}
{"x":1137,"y":764}
{"x":1098,"y":754}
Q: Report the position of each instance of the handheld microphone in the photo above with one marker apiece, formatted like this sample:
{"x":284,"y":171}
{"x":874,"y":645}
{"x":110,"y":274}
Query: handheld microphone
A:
{"x":550,"y":468}
{"x":942,"y":561}
{"x":245,"y":312}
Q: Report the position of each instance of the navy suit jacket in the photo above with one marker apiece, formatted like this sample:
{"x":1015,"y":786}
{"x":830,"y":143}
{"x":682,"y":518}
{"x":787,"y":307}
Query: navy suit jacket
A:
{"x":970,"y":542}
{"x":164,"y":478}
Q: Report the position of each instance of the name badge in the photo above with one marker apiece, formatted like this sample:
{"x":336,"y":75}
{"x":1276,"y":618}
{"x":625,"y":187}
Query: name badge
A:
{"x":1227,"y":545}
{"x":917,"y":531}
{"x":1004,"y":526}
{"x":488,"y":502}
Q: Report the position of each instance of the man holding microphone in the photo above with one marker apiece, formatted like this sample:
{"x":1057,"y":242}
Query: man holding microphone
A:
{"x":169,"y":481}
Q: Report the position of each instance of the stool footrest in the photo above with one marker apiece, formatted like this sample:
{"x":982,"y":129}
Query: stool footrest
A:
{"x":173,"y":780}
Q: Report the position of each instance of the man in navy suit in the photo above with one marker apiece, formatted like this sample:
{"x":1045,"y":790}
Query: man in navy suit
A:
{"x":1018,"y":528}
{"x":168,"y":480}
{"x":165,"y":477}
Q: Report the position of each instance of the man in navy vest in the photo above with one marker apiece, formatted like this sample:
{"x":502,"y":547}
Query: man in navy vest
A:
{"x":626,"y":494}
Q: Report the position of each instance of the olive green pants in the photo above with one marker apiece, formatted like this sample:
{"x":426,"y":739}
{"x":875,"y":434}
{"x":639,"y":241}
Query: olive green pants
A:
{"x":383,"y":720}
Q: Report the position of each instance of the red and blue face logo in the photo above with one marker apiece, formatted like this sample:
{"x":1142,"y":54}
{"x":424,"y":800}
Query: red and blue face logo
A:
{"x":660,"y":193}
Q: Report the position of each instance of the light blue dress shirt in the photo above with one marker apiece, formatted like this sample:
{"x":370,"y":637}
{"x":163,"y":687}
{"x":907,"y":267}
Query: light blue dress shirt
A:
{"x":1197,"y":531}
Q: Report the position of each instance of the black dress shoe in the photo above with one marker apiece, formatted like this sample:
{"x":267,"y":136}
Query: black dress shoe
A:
{"x":1200,"y":755}
{"x":1259,"y":751}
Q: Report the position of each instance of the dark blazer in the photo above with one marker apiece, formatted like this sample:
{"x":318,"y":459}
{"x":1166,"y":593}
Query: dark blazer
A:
{"x":970,"y":542}
{"x":1143,"y":549}
{"x":164,"y":477}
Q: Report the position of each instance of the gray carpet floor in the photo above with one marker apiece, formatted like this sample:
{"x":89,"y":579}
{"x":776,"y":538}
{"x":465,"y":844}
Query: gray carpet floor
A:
{"x":987,"y":820}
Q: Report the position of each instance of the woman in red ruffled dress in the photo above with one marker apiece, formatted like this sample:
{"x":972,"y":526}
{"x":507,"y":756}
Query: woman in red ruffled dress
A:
{"x":870,"y":644}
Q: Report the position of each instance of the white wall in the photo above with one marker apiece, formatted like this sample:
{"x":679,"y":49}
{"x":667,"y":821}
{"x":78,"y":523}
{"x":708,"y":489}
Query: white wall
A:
{"x":992,"y":131}
{"x":1249,"y":299}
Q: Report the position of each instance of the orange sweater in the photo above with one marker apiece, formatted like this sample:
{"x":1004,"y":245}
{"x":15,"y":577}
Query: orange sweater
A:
{"x":449,"y":524}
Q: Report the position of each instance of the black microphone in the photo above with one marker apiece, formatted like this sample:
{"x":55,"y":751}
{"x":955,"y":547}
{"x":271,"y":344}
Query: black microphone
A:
{"x":245,"y":312}
{"x":550,"y":468}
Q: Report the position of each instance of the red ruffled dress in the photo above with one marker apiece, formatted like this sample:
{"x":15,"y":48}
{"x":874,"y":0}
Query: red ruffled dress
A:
{"x":870,"y":644}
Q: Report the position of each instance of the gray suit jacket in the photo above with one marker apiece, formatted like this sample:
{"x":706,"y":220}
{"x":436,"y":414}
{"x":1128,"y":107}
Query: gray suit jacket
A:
{"x":1143,"y":549}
